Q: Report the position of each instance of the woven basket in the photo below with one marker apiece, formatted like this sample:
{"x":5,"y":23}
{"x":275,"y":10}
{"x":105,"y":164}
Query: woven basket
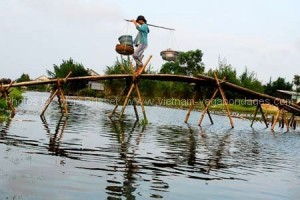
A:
{"x":124,"y":49}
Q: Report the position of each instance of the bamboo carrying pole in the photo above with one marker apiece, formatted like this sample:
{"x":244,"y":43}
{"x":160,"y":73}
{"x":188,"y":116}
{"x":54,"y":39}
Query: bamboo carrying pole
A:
{"x":171,"y":29}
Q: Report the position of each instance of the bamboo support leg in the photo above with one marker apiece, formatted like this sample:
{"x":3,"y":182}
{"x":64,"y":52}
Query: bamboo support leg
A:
{"x":196,"y":96}
{"x":263,"y":115}
{"x":53,"y":94}
{"x":227,"y":108}
{"x":291,"y":120}
{"x":207,"y":106}
{"x":141,"y":102}
{"x":189,"y":111}
{"x":224,"y":100}
{"x":281,"y":124}
{"x":126,"y":101}
{"x":255,"y":113}
{"x":118,"y":101}
{"x":63,"y":102}
{"x":276,"y":119}
{"x":9,"y":103}
{"x":208,"y":113}
{"x":135,"y":109}
{"x":285,"y":121}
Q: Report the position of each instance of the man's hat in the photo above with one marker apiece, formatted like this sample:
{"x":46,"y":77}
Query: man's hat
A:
{"x":141,"y":17}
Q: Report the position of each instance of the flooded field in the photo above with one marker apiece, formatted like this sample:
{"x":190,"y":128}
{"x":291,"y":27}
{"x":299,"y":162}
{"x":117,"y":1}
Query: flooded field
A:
{"x":89,"y":156}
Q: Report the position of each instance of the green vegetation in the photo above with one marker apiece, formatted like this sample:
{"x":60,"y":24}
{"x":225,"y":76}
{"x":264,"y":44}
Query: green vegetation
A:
{"x":188,"y":63}
{"x":296,"y":82}
{"x":15,"y":96}
{"x":23,"y":78}
{"x":62,"y":70}
{"x":279,"y":84}
{"x":41,"y":88}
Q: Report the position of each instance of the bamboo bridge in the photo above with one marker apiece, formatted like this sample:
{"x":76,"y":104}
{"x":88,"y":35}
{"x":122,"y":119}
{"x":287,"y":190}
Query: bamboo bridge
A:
{"x":200,"y":81}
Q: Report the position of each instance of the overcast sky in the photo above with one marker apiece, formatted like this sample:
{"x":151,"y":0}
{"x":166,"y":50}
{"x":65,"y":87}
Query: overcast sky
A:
{"x":263,"y":35}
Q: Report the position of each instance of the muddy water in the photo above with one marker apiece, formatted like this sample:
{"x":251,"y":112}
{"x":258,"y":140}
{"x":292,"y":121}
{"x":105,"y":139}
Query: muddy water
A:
{"x":88,"y":156}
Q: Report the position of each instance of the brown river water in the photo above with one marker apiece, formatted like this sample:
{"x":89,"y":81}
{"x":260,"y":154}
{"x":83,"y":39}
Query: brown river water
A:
{"x":88,"y":156}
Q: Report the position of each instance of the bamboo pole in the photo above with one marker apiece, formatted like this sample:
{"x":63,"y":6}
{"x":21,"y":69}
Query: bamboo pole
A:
{"x":126,"y":101}
{"x":200,"y":79}
{"x":255,"y":113}
{"x":285,"y":121}
{"x":291,"y":120}
{"x":5,"y":94}
{"x":10,"y":105}
{"x":141,"y":102}
{"x":208,"y":113}
{"x":224,"y":100}
{"x":135,"y":109}
{"x":196,"y":96}
{"x":63,"y":101}
{"x":208,"y":104}
{"x":143,"y":68}
{"x":135,"y":85}
{"x":60,"y":95}
{"x":53,"y":94}
{"x":263,"y":115}
{"x":118,"y":101}
{"x":190,"y":110}
{"x":276,"y":119}
{"x":133,"y":100}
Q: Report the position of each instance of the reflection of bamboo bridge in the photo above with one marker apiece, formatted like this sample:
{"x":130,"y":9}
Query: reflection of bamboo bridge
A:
{"x":200,"y":81}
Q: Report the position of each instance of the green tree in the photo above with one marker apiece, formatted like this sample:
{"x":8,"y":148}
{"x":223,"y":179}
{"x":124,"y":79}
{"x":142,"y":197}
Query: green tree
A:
{"x":23,"y":78}
{"x":250,"y":81}
{"x":279,"y":84}
{"x":188,"y":63}
{"x":62,"y":70}
{"x":121,"y":66}
{"x":296,"y":82}
{"x":225,"y":70}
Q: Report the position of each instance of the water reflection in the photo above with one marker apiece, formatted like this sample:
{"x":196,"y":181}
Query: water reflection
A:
{"x":126,"y":160}
{"x":5,"y":124}
{"x":127,"y":186}
{"x":55,"y":139}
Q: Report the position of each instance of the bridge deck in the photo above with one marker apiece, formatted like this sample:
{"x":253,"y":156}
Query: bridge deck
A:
{"x":200,"y":80}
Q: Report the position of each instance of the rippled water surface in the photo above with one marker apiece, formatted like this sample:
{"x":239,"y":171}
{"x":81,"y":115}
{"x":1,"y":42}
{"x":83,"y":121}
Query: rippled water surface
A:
{"x":88,"y":156}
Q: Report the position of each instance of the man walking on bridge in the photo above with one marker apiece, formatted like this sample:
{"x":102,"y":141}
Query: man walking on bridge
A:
{"x":141,"y":40}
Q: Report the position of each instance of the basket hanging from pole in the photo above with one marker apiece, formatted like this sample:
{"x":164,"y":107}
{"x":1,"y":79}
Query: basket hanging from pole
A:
{"x":126,"y":45}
